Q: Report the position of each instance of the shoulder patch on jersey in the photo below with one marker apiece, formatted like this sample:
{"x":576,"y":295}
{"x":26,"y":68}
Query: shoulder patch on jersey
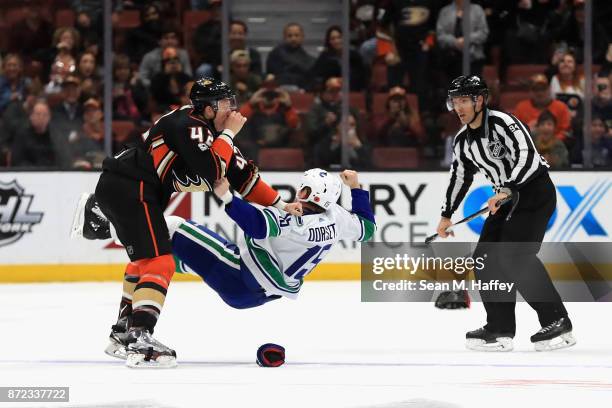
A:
{"x":514,"y":127}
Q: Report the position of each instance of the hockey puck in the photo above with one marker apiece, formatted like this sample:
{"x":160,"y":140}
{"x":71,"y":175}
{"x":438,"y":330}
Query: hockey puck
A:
{"x":270,"y":355}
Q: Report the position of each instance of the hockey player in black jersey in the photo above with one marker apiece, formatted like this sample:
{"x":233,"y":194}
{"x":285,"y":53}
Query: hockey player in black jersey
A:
{"x":186,"y":150}
{"x":499,"y":146}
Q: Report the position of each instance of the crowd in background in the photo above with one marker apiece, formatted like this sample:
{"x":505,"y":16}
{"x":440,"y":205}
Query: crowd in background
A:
{"x":402,"y":57}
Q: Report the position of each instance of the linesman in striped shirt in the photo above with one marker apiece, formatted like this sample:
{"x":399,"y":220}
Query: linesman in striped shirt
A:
{"x":499,"y":146}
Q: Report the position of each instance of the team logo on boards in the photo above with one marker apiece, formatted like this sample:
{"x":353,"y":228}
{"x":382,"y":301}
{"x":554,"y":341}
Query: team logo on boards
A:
{"x":16,"y":219}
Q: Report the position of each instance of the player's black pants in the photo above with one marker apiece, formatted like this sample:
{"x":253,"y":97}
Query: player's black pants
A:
{"x":131,"y":197}
{"x":511,"y":249}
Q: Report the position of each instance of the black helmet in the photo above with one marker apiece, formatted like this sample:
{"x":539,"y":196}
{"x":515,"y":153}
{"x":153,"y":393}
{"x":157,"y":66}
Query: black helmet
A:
{"x":208,"y":91}
{"x":471,"y":85}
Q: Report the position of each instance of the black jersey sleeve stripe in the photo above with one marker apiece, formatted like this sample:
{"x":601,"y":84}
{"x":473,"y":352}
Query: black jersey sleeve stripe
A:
{"x":527,"y":162}
{"x":462,"y":175}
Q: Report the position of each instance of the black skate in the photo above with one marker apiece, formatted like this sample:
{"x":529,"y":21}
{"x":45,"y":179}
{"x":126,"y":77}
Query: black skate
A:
{"x":556,"y":335}
{"x":89,"y":222}
{"x":118,"y":339}
{"x":485,"y":340}
{"x":144,"y":351}
{"x":459,"y":299}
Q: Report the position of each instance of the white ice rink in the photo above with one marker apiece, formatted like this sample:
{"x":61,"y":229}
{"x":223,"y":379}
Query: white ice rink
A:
{"x":340,"y":352}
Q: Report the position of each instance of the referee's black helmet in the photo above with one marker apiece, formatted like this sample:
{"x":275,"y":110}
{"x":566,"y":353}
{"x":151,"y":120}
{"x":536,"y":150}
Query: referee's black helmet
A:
{"x":208,"y":92}
{"x":471,"y":85}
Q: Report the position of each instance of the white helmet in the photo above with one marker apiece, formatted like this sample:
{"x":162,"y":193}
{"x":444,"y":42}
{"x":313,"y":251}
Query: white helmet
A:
{"x":324,"y":188}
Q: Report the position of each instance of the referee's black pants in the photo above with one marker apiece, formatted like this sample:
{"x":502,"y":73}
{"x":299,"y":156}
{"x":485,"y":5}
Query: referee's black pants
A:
{"x":511,"y":248}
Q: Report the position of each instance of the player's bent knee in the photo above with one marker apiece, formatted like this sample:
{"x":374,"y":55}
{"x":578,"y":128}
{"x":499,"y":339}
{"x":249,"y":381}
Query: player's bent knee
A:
{"x":173,"y":222}
{"x":158,"y":270}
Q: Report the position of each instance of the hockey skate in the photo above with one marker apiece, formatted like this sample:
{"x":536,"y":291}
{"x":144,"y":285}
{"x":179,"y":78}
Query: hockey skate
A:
{"x":484,"y":340}
{"x":117,"y":346}
{"x":459,"y":299}
{"x":556,"y":335}
{"x":89,"y":222}
{"x":143,"y":351}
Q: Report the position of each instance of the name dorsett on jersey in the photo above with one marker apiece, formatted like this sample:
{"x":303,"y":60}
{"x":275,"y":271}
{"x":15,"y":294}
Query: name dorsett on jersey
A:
{"x":319,"y":234}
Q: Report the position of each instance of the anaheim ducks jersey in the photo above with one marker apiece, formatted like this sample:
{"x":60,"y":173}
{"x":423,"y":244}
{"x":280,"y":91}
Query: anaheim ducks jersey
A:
{"x":183,"y":153}
{"x":180,"y":145}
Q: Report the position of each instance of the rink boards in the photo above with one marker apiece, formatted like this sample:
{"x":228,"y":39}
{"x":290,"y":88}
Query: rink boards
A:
{"x":36,"y":210}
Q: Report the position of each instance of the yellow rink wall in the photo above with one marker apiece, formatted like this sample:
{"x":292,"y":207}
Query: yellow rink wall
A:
{"x":323,"y":272}
{"x":114,"y":272}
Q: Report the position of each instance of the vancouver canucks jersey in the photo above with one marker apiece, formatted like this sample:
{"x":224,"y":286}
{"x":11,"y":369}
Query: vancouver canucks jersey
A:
{"x":280,"y":249}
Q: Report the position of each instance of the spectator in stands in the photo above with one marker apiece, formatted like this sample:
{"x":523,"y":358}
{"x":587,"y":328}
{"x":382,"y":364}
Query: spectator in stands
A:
{"x":63,"y":66}
{"x":271,"y":120}
{"x":91,"y":84}
{"x":144,"y":39}
{"x":567,"y":85}
{"x":152,"y":62}
{"x":602,"y":98}
{"x":14,"y":117}
{"x":242,"y":80}
{"x":87,"y":148}
{"x":68,"y":36}
{"x":553,"y":149}
{"x":32,"y":35}
{"x":89,"y":25}
{"x":67,"y":117}
{"x":207,"y":43}
{"x":401,"y":126}
{"x":328,"y":152}
{"x":413,"y":25}
{"x":13,"y":86}
{"x":66,"y":43}
{"x":237,"y":41}
{"x":450,"y":36}
{"x":129,"y":95}
{"x":322,"y":118}
{"x":33,"y":145}
{"x":381,"y":45}
{"x":168,"y":86}
{"x":329,"y":62}
{"x":529,"y":110}
{"x":289,"y":62}
{"x":601,"y":137}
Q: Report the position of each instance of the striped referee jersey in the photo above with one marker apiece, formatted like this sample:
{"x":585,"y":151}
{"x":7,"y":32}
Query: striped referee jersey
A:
{"x":502,"y":149}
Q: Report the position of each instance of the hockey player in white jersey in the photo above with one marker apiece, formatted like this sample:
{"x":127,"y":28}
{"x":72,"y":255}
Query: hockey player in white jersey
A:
{"x":276,"y":250}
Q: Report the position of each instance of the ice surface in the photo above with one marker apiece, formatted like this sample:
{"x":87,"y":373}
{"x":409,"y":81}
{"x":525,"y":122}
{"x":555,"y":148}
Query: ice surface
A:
{"x":340,"y":352}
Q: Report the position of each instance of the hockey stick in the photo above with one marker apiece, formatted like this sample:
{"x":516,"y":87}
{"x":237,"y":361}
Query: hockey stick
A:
{"x":477,"y":214}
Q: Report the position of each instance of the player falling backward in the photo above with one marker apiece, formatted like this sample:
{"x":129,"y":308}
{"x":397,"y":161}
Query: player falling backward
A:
{"x":498,"y":145}
{"x":184,"y":151}
{"x":275,"y":250}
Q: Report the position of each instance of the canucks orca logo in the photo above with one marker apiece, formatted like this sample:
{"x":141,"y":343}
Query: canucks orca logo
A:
{"x":579,"y":216}
{"x":497,"y":149}
{"x":15,"y":216}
